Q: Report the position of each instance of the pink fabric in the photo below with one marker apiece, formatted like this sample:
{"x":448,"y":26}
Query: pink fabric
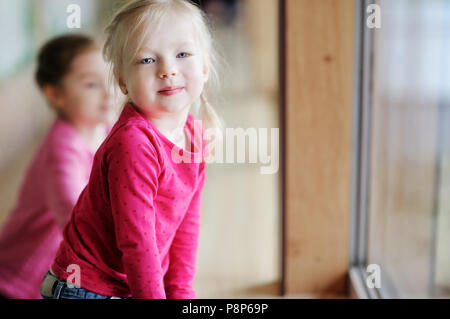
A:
{"x":31,"y":236}
{"x":134,"y":231}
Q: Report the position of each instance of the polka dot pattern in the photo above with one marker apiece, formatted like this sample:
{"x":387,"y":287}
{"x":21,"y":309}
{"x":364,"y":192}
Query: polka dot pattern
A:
{"x":142,"y":239}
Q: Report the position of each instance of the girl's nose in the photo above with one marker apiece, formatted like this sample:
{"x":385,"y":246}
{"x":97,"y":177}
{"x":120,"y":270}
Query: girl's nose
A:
{"x":167,"y":69}
{"x":164,"y":75}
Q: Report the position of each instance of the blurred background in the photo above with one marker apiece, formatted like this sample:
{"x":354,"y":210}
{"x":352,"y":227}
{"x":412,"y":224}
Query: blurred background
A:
{"x":364,"y":142}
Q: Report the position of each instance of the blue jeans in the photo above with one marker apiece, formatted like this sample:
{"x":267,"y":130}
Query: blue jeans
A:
{"x":62,"y":291}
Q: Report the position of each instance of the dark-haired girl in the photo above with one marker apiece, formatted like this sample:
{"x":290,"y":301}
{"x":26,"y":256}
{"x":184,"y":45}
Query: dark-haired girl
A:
{"x":72,"y":75}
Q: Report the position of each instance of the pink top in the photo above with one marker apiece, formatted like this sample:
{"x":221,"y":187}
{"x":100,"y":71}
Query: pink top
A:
{"x":31,"y":236}
{"x":134,"y":231}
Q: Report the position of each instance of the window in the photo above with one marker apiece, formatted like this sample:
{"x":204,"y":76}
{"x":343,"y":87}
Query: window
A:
{"x":401,"y":206}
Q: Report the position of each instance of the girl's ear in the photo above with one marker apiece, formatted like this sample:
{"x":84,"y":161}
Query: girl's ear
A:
{"x":54,"y":96}
{"x":123,"y":87}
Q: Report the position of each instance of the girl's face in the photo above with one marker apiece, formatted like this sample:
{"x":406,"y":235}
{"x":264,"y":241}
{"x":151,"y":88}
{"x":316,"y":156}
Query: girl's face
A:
{"x":169,"y":59}
{"x":83,"y":97}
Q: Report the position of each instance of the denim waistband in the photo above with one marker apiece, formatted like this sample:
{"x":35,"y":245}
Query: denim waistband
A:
{"x":64,"y":291}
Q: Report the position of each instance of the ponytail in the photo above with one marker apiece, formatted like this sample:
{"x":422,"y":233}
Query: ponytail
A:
{"x":213,"y":124}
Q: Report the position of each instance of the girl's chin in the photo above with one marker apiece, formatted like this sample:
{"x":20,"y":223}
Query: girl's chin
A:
{"x":175,"y":109}
{"x":163,"y":107}
{"x":169,"y":107}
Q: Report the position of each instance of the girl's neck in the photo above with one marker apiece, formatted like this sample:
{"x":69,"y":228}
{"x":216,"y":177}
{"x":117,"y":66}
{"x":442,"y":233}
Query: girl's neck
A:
{"x":172,"y":126}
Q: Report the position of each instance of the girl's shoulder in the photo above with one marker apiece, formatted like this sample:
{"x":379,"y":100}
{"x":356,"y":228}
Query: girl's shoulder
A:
{"x":131,"y":134}
{"x":131,"y":128}
{"x":133,"y":140}
{"x":134,"y":144}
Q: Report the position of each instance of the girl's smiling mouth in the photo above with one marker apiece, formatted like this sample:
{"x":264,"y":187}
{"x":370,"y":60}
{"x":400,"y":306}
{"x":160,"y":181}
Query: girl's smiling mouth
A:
{"x":171,"y":90}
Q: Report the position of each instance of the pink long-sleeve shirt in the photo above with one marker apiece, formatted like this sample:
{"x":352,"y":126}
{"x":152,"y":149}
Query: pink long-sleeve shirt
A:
{"x":134,"y":230}
{"x":31,"y":236}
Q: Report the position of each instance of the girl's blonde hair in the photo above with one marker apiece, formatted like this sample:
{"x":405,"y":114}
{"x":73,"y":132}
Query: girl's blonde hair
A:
{"x":132,"y":24}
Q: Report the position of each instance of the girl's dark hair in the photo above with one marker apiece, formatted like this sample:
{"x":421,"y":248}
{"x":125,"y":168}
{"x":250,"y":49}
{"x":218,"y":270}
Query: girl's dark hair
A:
{"x":56,"y":56}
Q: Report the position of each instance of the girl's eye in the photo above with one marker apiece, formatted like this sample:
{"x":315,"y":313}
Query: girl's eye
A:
{"x":185,"y":54}
{"x":91,"y":85}
{"x":146,"y":61}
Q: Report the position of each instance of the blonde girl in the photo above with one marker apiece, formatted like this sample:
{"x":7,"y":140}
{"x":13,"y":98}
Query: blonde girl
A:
{"x":134,"y":232}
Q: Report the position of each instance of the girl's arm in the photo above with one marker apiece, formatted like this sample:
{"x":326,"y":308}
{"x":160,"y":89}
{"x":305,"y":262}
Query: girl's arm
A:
{"x":179,"y":278}
{"x":133,"y":171}
{"x":65,"y":180}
